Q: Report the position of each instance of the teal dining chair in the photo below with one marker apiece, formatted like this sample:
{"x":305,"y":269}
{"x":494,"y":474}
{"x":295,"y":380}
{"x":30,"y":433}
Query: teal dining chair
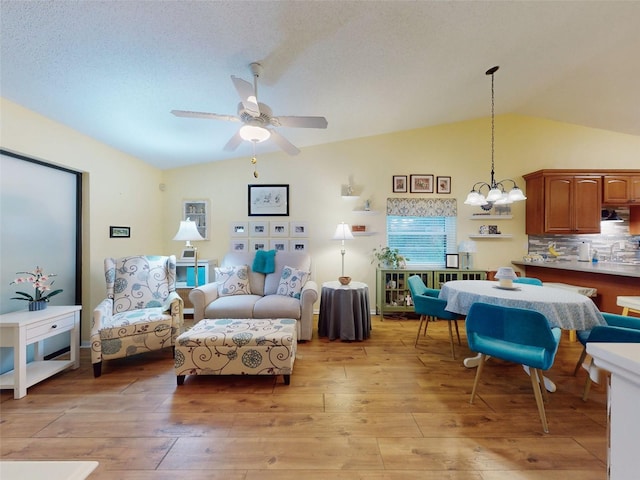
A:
{"x":516,"y":335}
{"x":619,"y":329}
{"x":427,"y":304}
{"x":528,"y":281}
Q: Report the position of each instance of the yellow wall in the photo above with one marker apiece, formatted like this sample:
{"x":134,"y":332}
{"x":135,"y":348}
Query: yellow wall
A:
{"x":118,"y":190}
{"x":121,"y":190}
{"x":460,"y":150}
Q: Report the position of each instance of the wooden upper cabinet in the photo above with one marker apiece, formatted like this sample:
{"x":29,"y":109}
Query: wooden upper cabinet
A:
{"x":563,"y":203}
{"x":621,"y":189}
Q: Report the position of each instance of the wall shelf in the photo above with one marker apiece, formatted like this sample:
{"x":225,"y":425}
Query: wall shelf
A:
{"x":491,"y":217}
{"x":363,"y":234}
{"x":500,"y":235}
{"x":367,"y":212}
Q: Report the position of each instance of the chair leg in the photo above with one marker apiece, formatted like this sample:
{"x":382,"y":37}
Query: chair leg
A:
{"x":483,"y":357}
{"x":453,"y":350}
{"x":97,"y":369}
{"x":587,"y":383}
{"x":536,"y":376}
{"x":580,"y":360}
{"x":455,"y":322}
{"x":423,"y":319}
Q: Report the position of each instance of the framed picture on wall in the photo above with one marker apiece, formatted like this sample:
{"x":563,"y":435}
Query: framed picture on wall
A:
{"x":279,"y":245}
{"x":421,"y":183}
{"x":279,"y":229}
{"x":268,"y":200}
{"x":452,"y":260}
{"x":239,"y":229}
{"x":298,"y":229}
{"x":443,"y":184}
{"x":240,"y":245}
{"x":297,"y":245}
{"x":258,"y":229}
{"x":399,"y":184}
{"x":119,"y":232}
{"x":258,"y":244}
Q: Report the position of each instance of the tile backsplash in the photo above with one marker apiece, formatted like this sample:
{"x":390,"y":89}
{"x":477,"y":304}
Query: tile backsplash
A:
{"x":613,"y":235}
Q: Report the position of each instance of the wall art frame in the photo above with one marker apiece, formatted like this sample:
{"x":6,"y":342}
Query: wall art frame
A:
{"x":399,"y":184}
{"x":452,"y":260}
{"x":268,"y":200}
{"x":259,"y":229}
{"x":239,"y":245}
{"x":297,"y":245}
{"x":279,"y":229}
{"x":119,"y":232}
{"x":279,"y":244}
{"x":443,"y":184}
{"x":239,"y":229}
{"x":421,"y":183}
{"x":298,"y":229}
{"x":256,"y":244}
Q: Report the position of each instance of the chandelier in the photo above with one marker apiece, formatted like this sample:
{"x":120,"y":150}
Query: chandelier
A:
{"x":496,"y":192}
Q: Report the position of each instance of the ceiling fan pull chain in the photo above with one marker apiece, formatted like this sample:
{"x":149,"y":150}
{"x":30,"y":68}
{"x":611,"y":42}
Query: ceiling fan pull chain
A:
{"x":254,"y":161}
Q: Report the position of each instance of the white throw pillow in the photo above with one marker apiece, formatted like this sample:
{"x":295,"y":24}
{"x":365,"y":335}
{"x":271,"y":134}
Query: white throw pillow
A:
{"x":291,"y":282}
{"x":233,"y":280}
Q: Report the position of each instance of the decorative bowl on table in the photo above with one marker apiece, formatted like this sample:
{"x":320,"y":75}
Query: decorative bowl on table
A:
{"x":344,"y":280}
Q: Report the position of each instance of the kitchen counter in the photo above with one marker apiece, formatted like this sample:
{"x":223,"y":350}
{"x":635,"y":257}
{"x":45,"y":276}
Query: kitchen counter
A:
{"x":606,"y":268}
{"x":610,"y":279}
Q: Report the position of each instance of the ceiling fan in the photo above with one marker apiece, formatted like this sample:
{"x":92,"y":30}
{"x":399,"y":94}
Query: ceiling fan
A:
{"x":257,"y":117}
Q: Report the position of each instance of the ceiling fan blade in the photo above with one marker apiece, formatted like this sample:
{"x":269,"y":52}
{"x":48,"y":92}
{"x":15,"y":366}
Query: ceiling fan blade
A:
{"x":209,"y":116}
{"x":300,"y":122}
{"x":233,"y":142}
{"x":247,"y":95}
{"x":283,"y":143}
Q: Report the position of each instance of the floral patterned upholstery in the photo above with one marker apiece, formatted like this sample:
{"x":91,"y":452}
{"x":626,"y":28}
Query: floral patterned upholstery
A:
{"x":142,"y":311}
{"x":237,"y":347}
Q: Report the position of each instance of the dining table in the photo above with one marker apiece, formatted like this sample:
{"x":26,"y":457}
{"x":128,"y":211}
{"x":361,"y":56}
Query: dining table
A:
{"x":562,"y":308}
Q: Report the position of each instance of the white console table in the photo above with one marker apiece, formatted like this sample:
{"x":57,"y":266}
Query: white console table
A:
{"x":623,"y":361}
{"x":22,"y":328}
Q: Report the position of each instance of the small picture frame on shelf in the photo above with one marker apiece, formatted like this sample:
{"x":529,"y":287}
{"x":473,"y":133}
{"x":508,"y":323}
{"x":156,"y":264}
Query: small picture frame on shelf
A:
{"x":421,"y":183}
{"x":188,"y":254}
{"x":399,"y":184}
{"x":443,"y":184}
{"x":452,"y":260}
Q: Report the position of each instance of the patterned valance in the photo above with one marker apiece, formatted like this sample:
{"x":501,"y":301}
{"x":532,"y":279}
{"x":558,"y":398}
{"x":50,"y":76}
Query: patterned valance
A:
{"x":422,"y":207}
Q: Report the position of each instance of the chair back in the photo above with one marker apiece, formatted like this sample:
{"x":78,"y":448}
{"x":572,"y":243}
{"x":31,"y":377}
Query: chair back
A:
{"x":142,"y":281}
{"x":514,"y":334}
{"x":528,"y":281}
{"x":426,"y":301}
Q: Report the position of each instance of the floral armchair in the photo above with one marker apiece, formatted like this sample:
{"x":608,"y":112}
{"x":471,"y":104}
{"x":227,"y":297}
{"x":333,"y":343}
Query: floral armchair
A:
{"x":142,"y":311}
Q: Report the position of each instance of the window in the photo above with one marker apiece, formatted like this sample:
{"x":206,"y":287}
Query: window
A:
{"x":424,"y":240}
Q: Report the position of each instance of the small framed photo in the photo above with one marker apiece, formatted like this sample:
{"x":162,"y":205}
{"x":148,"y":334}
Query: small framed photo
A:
{"x":421,"y":184}
{"x":188,"y":254}
{"x":452,"y":260}
{"x":258,"y":229}
{"x":279,"y":229}
{"x":279,"y":245}
{"x":239,"y":245}
{"x":259,"y":244}
{"x":399,"y":184}
{"x":268,"y":200}
{"x":297,"y":245}
{"x":119,"y":232}
{"x":443,"y":184}
{"x":239,"y":229}
{"x":298,"y":229}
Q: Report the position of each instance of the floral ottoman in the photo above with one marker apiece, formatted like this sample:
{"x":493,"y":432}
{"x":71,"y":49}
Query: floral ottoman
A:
{"x":237,"y":347}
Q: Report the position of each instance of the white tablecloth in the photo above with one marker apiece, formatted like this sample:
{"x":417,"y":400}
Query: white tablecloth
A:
{"x":563,"y":308}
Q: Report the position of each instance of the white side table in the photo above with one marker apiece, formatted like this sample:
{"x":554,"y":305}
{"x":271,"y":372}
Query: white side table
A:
{"x":629,"y":304}
{"x":22,"y":328}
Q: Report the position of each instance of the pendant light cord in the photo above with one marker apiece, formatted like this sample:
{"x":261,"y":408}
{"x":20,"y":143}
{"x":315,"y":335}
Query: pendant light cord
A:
{"x":493,"y":126}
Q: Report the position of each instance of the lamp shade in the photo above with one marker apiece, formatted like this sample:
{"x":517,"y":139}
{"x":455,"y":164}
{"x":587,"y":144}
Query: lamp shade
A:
{"x":188,"y":231}
{"x":343,"y":232}
{"x":468,"y":246}
{"x":506,"y":273}
{"x":253,"y":133}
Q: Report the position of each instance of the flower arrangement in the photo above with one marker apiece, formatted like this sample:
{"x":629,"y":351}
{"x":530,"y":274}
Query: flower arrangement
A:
{"x":41,"y":283}
{"x":389,"y":257}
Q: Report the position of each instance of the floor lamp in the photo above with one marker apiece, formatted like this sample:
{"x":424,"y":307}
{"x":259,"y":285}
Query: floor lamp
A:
{"x":188,"y":231}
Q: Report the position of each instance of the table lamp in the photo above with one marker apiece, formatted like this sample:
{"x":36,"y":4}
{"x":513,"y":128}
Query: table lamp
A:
{"x":343,"y":232}
{"x":467,"y":248}
{"x":188,"y":231}
{"x":506,"y":275}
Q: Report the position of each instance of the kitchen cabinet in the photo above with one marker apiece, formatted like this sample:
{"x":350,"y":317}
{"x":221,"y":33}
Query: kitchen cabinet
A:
{"x":621,"y":189}
{"x":561,"y":202}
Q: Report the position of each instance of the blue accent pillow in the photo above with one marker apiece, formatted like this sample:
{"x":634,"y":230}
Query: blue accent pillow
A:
{"x":264,"y":262}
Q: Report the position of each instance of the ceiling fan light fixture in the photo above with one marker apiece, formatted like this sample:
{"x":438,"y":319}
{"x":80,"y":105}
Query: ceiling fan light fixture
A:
{"x":253,"y":133}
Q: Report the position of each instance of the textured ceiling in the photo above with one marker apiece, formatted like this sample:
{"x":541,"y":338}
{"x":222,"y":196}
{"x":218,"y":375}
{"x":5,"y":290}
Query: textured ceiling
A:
{"x":114,"y":69}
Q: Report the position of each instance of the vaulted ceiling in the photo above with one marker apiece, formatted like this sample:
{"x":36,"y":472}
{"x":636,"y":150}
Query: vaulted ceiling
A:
{"x":114,"y":70}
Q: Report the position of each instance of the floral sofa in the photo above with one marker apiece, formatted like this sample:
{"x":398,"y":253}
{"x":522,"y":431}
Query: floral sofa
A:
{"x":278,"y":287}
{"x":142,"y":311}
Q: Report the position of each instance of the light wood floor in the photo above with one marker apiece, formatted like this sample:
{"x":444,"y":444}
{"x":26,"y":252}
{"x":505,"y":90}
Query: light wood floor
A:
{"x":379,"y":409}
